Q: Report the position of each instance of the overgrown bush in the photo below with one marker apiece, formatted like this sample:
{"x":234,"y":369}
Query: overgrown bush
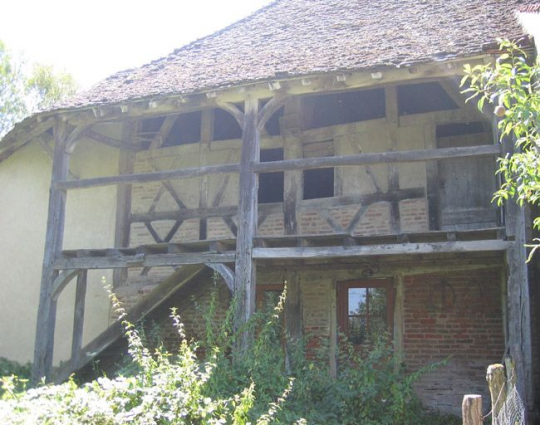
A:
{"x":271,"y":382}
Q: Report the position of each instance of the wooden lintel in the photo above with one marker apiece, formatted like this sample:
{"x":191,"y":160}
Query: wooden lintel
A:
{"x":376,"y":250}
{"x":184,"y":173}
{"x":377,"y":158}
{"x":143,"y":260}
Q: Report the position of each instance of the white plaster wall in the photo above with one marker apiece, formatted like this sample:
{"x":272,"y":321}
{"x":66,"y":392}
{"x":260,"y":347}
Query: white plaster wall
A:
{"x":90,"y":216}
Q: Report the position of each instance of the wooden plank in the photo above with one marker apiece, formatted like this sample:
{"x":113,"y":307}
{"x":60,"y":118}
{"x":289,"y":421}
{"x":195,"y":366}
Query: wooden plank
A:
{"x":184,"y":173}
{"x":163,"y":131}
{"x":143,"y":260}
{"x":126,"y":161}
{"x":78,"y":317}
{"x":373,"y":250}
{"x":399,"y":312}
{"x":54,"y":236}
{"x":376,"y":158}
{"x":245,"y":270}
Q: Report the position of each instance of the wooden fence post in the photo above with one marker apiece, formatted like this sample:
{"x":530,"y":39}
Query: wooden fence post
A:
{"x":472,"y":409}
{"x":497,"y":387}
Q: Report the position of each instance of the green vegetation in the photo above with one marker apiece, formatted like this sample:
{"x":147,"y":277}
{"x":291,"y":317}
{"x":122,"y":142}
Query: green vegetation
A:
{"x":512,"y":86}
{"x":261,"y":387}
{"x":25,"y":89}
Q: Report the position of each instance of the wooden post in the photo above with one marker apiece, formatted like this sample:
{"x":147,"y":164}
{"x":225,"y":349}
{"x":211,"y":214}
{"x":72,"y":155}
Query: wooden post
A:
{"x":293,"y":313}
{"x":518,"y":312}
{"x":432,"y":179}
{"x":292,"y":149}
{"x":46,"y":318}
{"x":245,"y":271}
{"x":78,"y":318}
{"x":392,"y":118}
{"x":398,"y":318}
{"x":207,"y":130}
{"x":496,"y":379}
{"x":472,"y":409}
{"x":123,"y":202}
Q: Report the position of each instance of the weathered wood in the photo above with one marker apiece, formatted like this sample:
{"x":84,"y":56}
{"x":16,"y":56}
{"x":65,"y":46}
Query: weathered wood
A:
{"x":61,"y":281}
{"x":143,"y":260}
{"x":376,"y":158}
{"x":432,"y":180}
{"x":78,"y":317}
{"x":110,"y":141}
{"x":518,"y":311}
{"x":472,"y":409}
{"x":291,"y":127}
{"x":245,"y":270}
{"x":53,"y":246}
{"x":496,"y":379}
{"x":304,"y":205}
{"x":372,"y":250}
{"x":392,"y":116}
{"x":126,"y":161}
{"x":207,"y":134}
{"x":269,"y":109}
{"x":293,"y":314}
{"x":185,"y":173}
{"x":234,"y":111}
{"x":163,"y":131}
{"x":225,"y":272}
{"x":399,"y":311}
{"x":15,"y":140}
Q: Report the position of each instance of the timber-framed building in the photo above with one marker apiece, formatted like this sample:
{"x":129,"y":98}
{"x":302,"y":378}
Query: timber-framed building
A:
{"x":325,"y":143}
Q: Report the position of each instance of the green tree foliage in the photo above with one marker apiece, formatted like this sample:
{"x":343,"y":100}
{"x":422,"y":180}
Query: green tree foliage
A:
{"x":25,"y":89}
{"x":512,"y":87}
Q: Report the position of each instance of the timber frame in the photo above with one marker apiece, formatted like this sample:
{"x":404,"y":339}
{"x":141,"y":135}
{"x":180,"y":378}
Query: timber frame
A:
{"x":236,"y":259}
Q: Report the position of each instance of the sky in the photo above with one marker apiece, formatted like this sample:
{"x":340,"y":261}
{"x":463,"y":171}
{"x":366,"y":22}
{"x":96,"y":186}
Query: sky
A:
{"x":95,"y":38}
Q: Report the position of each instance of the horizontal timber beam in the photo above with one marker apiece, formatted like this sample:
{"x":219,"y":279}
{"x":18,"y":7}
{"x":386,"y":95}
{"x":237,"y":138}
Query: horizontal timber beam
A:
{"x":184,"y":173}
{"x":287,"y":165}
{"x":143,"y":260}
{"x":377,"y":158}
{"x":375,"y":250}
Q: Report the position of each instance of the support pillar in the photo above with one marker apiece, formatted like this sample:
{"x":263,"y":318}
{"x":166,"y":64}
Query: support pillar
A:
{"x":245,"y":270}
{"x":46,"y":319}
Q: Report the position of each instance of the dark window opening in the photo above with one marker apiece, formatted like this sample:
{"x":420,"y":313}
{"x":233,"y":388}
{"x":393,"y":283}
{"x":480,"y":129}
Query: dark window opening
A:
{"x":225,"y":125}
{"x":271,"y":185}
{"x":422,"y":98}
{"x":319,"y":183}
{"x":460,"y":129}
{"x":343,"y":108}
{"x":365,"y":310}
{"x":185,"y":130}
{"x":272,"y":125}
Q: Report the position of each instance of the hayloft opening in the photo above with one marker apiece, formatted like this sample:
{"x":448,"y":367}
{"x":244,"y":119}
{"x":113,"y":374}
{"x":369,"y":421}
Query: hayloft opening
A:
{"x":225,"y":125}
{"x":271,"y":185}
{"x":319,"y":183}
{"x":422,"y":98}
{"x":343,"y":108}
{"x":185,"y":130}
{"x":460,"y":129}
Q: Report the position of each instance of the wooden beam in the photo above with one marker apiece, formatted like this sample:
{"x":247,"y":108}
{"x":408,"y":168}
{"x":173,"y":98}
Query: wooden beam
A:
{"x":225,"y":272}
{"x":143,"y":260}
{"x":518,"y":297}
{"x":54,"y":236}
{"x":245,"y":270}
{"x":376,"y":250}
{"x":15,"y":140}
{"x":392,"y":117}
{"x":163,"y":132}
{"x":126,"y":161}
{"x":432,"y":180}
{"x":207,"y":134}
{"x":110,"y":141}
{"x":185,"y":173}
{"x":78,"y":317}
{"x":377,"y":158}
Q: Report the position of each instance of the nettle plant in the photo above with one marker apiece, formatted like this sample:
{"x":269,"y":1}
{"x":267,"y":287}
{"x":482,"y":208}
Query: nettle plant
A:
{"x":271,"y":382}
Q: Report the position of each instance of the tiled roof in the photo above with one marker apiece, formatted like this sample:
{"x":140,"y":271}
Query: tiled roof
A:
{"x":303,"y":37}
